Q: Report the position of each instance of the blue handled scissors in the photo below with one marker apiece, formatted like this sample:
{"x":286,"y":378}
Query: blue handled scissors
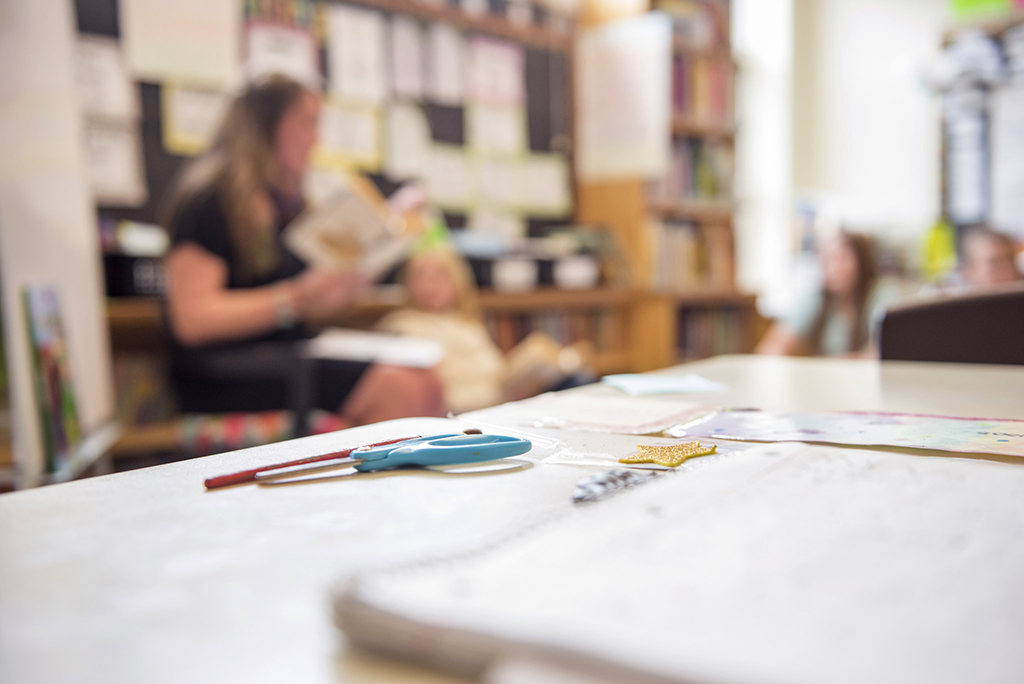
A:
{"x":450,"y":449}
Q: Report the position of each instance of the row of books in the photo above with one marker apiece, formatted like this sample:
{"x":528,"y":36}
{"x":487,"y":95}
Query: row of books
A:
{"x":709,"y":332}
{"x":604,"y":328}
{"x":687,"y":257}
{"x":698,"y":24}
{"x":699,"y":170}
{"x":702,"y":89}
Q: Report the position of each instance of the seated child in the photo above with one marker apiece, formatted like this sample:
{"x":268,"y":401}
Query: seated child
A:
{"x":443,"y":306}
{"x":988,"y":258}
{"x":842,"y":317}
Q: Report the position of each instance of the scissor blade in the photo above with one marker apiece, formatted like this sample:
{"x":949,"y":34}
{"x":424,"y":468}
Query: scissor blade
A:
{"x":322,"y":466}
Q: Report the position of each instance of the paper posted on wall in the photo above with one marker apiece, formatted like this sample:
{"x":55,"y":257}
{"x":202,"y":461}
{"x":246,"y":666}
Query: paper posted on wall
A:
{"x":408,"y":141}
{"x":496,"y":130}
{"x":445,"y":83}
{"x":190,"y":40}
{"x":190,"y":117}
{"x":407,"y":65}
{"x":450,"y":182}
{"x":349,"y":136}
{"x":353,"y":231}
{"x":114,"y":156}
{"x":101,"y":77}
{"x":496,"y":72}
{"x":622,"y":84}
{"x":276,"y":49}
{"x":357,"y":61}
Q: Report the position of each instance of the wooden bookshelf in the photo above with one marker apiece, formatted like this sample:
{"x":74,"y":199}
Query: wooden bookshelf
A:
{"x":719,"y":53}
{"x":712,"y":298}
{"x":136,"y":322}
{"x":551,"y":298}
{"x":136,"y":328}
{"x":632,"y":210}
{"x":699,"y":211}
{"x":690,"y":126}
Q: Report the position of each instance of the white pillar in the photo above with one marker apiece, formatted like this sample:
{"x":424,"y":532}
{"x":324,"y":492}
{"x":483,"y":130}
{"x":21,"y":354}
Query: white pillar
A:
{"x":762,"y":38}
{"x":47,"y":224}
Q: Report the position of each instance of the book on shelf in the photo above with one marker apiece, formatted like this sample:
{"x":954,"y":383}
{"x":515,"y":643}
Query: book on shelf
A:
{"x":55,"y":396}
{"x":602,"y":328}
{"x":710,"y":332}
{"x":697,"y":24}
{"x":688,"y":257}
{"x":702,"y":89}
{"x":699,"y":170}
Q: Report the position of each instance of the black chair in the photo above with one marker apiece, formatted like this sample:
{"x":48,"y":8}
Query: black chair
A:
{"x":978,"y":327}
{"x":284,"y":362}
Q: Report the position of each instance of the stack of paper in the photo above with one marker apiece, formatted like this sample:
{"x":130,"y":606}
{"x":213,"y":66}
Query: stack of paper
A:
{"x":788,"y":563}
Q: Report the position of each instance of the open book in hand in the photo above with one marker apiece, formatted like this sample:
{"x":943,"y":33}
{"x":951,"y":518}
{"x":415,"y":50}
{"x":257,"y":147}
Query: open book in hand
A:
{"x":353,"y":230}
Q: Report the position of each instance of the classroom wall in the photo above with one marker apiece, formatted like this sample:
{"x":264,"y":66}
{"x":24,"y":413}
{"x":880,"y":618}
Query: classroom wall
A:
{"x":866,"y":132}
{"x":47,"y":227}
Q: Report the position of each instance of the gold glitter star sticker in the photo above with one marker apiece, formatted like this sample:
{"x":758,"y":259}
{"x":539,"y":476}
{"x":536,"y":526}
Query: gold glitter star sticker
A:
{"x":671,"y":455}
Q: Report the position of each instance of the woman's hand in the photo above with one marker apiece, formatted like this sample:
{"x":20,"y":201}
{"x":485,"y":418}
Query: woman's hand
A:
{"x":321,"y":292}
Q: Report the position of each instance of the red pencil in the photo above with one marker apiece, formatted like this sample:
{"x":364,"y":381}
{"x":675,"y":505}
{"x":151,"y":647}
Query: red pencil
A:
{"x":246,"y":476}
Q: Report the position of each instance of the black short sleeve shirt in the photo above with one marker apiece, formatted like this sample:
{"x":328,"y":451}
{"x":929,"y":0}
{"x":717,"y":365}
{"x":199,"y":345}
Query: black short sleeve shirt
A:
{"x":202,"y":221}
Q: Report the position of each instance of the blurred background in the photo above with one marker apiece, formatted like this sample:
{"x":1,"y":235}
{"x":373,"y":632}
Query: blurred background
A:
{"x":641,"y":184}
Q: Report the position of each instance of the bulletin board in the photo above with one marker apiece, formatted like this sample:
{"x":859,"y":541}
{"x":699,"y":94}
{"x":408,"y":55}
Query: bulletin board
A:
{"x":546,"y":107}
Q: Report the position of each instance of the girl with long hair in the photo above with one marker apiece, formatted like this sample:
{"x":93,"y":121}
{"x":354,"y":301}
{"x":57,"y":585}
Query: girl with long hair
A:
{"x":841,"y":317}
{"x":232,"y":282}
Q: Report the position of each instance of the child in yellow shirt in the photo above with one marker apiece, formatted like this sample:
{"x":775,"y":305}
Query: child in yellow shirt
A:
{"x":444,"y":306}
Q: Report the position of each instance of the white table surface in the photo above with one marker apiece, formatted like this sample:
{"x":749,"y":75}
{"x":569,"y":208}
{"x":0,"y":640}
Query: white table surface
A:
{"x":144,"y":576}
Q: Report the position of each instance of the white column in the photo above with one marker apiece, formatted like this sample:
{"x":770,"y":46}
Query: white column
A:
{"x":47,"y":225}
{"x":762,"y":37}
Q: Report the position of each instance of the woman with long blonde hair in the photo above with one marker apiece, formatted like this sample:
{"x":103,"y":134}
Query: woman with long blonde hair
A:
{"x":232,"y":282}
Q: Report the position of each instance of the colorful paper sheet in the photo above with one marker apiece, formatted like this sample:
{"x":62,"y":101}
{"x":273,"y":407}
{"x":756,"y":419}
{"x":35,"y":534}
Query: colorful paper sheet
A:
{"x":942,"y":433}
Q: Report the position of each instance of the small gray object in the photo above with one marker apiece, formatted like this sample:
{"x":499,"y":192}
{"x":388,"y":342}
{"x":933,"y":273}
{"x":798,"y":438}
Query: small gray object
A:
{"x":595,"y":487}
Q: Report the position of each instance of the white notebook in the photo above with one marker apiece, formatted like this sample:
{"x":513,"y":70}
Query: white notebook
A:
{"x":784,"y":564}
{"x":374,"y":347}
